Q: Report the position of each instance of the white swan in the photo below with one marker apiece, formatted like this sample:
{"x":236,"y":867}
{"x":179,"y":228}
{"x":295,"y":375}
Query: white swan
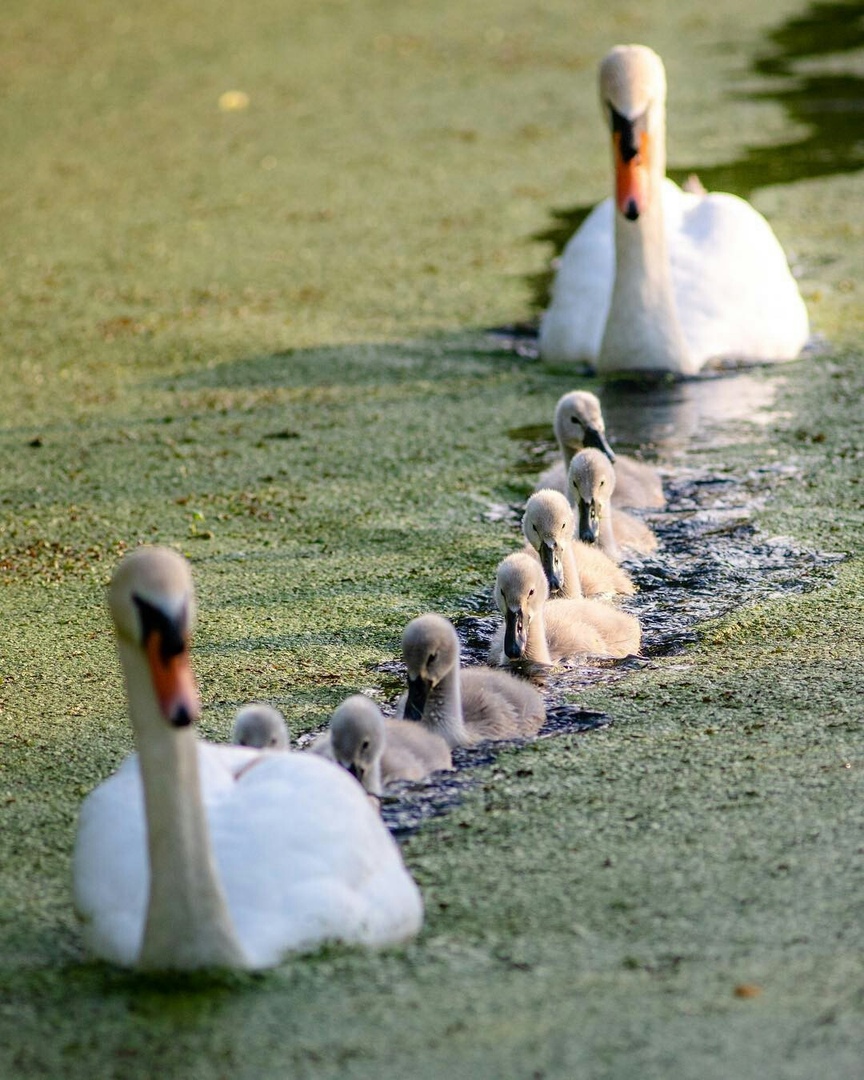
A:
{"x":572,"y":569}
{"x":579,"y":423}
{"x":261,"y":727}
{"x":544,"y":631}
{"x":194,"y":855}
{"x":462,"y":705}
{"x":660,"y":278}
{"x":377,"y":751}
{"x":592,"y":483}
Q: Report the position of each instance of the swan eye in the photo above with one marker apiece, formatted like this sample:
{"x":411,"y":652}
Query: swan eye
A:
{"x":530,"y":592}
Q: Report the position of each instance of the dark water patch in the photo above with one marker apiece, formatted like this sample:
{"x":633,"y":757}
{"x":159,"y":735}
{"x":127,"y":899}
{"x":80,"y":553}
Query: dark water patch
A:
{"x":829,"y":103}
{"x":408,"y":804}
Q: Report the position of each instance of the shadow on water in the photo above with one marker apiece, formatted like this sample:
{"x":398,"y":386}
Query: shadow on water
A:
{"x":712,"y":559}
{"x":829,"y":103}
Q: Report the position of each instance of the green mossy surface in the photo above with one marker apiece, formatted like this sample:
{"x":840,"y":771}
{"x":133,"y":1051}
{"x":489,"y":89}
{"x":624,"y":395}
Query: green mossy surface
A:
{"x":256,"y":336}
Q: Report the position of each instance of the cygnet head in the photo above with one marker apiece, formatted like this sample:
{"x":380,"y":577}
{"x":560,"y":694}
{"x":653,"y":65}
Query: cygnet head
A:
{"x":152,"y":603}
{"x":633,"y":96}
{"x":357,"y":737}
{"x":591,"y":481}
{"x":548,"y":525}
{"x":430,"y":649}
{"x":262,"y":727}
{"x":579,"y":422}
{"x":520,"y":593}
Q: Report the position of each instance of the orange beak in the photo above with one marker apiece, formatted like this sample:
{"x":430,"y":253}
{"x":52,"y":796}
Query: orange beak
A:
{"x":631,"y":177}
{"x":173,"y":682}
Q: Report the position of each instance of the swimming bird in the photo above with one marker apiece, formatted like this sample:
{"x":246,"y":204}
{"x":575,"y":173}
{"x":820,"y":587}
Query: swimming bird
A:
{"x":579,"y":423}
{"x":260,"y":726}
{"x":194,"y":855}
{"x":378,"y":751}
{"x":661,"y":279}
{"x":592,"y":481}
{"x":463,"y":705}
{"x":572,"y":569}
{"x":544,"y":631}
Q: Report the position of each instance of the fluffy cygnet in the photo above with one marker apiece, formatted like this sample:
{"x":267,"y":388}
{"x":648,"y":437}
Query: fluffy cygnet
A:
{"x":592,"y":481}
{"x":378,"y":751}
{"x":544,"y":631}
{"x":262,"y":727}
{"x":573,"y":569}
{"x":463,"y":705}
{"x":579,"y":424}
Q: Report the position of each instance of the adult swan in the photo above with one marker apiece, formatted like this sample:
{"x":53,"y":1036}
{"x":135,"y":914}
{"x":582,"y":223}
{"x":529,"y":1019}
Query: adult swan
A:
{"x":194,"y":855}
{"x":659,"y":278}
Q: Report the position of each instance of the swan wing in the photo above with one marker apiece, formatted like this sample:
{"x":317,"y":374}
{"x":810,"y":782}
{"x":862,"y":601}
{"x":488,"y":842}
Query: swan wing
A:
{"x":572,"y":327}
{"x":734,"y":292}
{"x":302,"y":856}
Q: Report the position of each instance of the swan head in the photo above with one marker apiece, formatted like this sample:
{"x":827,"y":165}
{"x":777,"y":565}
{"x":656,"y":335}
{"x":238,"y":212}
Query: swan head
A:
{"x":591,"y":481}
{"x":152,"y":602}
{"x":579,"y":422}
{"x":357,"y":736}
{"x":548,"y":526}
{"x":262,"y":727}
{"x":521,"y":591}
{"x":430,"y":649}
{"x":633,"y":97}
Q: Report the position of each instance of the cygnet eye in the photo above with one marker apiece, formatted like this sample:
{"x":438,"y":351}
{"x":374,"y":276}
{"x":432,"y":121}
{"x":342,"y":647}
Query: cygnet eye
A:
{"x":530,"y":592}
{"x":364,"y":746}
{"x":432,"y":658}
{"x":273,"y":740}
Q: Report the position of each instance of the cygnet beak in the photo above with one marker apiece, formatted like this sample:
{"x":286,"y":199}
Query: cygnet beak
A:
{"x":589,"y":521}
{"x":418,"y":691}
{"x":597,"y":441}
{"x":550,"y":560}
{"x":515,"y":636}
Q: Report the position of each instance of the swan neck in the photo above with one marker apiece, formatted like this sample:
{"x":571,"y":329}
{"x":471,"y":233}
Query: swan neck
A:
{"x":642,"y":329}
{"x":572,"y":583}
{"x":372,"y":779}
{"x":443,"y":713}
{"x":536,"y":645}
{"x":188,"y":924}
{"x":606,"y":535}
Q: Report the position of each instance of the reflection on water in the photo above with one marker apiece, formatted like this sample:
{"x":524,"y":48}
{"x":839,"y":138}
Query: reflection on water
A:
{"x":666,"y":416}
{"x":828,"y":103}
{"x":692,"y":414}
